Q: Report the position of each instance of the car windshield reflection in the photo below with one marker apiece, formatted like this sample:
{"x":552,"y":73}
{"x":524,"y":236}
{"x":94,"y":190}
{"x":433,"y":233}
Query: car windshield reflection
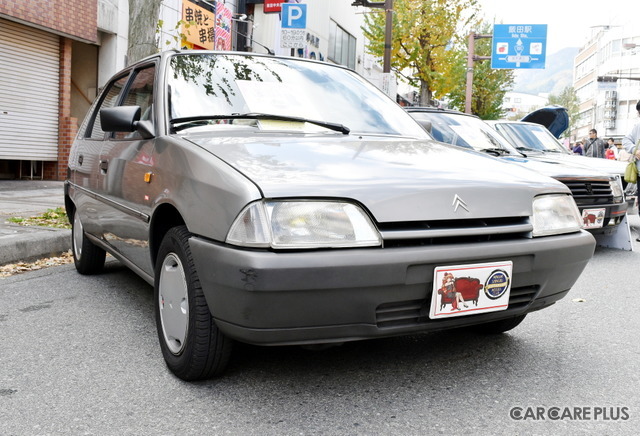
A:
{"x":531,"y":137}
{"x":306,"y":93}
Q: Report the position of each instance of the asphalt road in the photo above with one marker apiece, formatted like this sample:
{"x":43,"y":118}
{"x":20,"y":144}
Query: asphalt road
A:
{"x":79,"y":355}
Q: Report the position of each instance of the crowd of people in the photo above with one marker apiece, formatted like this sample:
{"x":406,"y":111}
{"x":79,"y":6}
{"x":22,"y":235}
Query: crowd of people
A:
{"x":594,"y":146}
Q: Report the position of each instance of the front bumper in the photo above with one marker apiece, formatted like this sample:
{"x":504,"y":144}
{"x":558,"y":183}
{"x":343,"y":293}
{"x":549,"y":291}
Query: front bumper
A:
{"x":273,"y":298}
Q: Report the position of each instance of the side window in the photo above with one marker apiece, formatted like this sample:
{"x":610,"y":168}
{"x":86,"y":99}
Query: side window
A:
{"x":111,"y":98}
{"x":139,"y":93}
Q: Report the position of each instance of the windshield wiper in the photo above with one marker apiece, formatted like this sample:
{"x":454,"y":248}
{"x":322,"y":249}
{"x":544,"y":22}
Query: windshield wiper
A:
{"x":528,"y":149}
{"x":257,"y":116}
{"x":498,"y":151}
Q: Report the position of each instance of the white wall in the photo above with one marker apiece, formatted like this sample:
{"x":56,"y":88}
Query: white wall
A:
{"x":113,"y":26}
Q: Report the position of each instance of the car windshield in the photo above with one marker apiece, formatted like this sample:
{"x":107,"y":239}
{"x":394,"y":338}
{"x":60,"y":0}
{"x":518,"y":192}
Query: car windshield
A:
{"x":463,"y":131}
{"x":203,"y":88}
{"x":525,"y":136}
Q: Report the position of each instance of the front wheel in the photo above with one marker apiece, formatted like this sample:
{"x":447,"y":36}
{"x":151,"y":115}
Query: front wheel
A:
{"x":87,"y":257}
{"x":192,"y":345}
{"x":497,"y":327}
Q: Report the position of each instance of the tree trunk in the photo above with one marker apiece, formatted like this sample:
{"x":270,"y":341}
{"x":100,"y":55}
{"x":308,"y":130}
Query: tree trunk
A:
{"x":143,"y":22}
{"x":425,"y":94}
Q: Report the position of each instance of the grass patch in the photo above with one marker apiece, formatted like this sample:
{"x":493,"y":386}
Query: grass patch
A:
{"x":51,"y":218}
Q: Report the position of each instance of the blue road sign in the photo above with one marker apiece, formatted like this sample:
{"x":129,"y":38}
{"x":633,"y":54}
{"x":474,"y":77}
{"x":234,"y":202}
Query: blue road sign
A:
{"x":519,"y":46}
{"x":294,"y":16}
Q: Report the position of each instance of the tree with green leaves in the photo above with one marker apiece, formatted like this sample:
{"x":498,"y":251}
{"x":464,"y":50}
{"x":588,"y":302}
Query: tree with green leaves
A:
{"x":489,"y":85}
{"x":425,"y":40}
{"x":569,"y":100}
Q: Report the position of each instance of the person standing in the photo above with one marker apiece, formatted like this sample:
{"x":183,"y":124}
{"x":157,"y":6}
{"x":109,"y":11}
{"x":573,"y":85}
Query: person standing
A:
{"x":612,"y":150}
{"x":594,"y":146}
{"x":629,"y":143}
{"x":577,"y":149}
{"x":630,"y":140}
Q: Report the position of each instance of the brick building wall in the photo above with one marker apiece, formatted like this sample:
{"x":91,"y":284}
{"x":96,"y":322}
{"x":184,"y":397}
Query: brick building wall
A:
{"x":76,"y":18}
{"x":67,"y":125}
{"x":72,"y":20}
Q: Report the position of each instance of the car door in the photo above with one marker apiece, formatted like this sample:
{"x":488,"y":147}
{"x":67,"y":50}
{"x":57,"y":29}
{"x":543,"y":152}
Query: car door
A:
{"x":125,"y":164}
{"x":84,"y":162}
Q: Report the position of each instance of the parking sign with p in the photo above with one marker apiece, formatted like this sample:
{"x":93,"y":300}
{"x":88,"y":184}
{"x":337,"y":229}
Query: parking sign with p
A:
{"x":294,"y":16}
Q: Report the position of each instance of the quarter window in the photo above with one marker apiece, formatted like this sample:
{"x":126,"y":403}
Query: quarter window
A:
{"x":139,"y":93}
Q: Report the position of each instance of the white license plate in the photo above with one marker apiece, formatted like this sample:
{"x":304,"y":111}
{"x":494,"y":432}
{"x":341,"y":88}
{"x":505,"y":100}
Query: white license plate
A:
{"x":460,"y":290}
{"x":593,"y":218}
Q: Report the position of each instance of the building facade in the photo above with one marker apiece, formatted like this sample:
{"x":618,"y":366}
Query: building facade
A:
{"x":518,"y":104}
{"x":607,"y":82}
{"x":53,"y":57}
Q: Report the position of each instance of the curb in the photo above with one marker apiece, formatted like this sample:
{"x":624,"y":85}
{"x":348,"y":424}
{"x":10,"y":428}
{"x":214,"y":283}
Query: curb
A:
{"x":34,"y":244}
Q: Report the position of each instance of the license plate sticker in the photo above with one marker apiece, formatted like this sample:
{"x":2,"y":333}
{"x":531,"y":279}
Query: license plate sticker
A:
{"x":593,"y":218}
{"x":460,"y":290}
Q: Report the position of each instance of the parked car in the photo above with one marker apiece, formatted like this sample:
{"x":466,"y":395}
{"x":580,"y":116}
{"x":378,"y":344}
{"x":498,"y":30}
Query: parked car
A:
{"x":278,"y":200}
{"x":536,"y":135}
{"x":598,"y":195}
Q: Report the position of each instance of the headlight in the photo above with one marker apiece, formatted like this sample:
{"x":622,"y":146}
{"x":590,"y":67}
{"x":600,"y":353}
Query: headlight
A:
{"x":616,"y":190}
{"x":555,"y":214}
{"x":303,"y":224}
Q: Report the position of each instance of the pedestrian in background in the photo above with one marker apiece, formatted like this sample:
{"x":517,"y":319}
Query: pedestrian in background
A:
{"x":577,"y":149}
{"x":594,"y":146}
{"x":612,"y":150}
{"x":630,"y":140}
{"x":630,"y":143}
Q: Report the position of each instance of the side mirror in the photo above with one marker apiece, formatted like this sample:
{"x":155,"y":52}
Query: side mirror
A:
{"x":125,"y":119}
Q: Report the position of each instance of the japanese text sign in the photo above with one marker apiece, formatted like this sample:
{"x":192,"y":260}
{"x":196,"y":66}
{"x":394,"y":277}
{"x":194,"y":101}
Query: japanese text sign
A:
{"x":519,"y":46}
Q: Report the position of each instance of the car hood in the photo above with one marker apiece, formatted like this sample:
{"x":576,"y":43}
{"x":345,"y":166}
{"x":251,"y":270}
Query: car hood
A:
{"x":557,"y":168}
{"x":555,"y":118}
{"x":608,"y":166}
{"x":395,"y":179}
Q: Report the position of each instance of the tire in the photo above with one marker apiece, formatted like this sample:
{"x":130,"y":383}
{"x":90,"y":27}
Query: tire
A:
{"x":87,"y":257}
{"x":192,"y":345}
{"x":497,"y":327}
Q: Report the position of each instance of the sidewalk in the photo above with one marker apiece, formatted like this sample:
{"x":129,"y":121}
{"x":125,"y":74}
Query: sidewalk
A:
{"x":25,"y":198}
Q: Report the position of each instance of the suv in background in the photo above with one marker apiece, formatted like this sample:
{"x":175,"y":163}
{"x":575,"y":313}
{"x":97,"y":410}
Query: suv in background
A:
{"x":598,"y":195}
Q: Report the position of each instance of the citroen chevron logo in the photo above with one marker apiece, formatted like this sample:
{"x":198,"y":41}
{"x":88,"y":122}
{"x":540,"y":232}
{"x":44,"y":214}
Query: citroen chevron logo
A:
{"x":459,"y":202}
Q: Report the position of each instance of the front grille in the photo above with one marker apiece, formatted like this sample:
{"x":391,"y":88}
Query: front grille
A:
{"x":588,"y":192}
{"x":441,"y":232}
{"x":416,"y":312}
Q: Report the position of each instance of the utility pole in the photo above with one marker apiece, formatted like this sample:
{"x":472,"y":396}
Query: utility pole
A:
{"x":471,"y":58}
{"x":387,"y":5}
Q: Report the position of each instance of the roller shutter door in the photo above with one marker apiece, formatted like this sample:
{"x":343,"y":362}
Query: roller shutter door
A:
{"x":29,"y":76}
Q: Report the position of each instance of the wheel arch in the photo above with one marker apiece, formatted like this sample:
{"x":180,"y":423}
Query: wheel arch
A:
{"x":165,"y":217}
{"x":69,"y":206}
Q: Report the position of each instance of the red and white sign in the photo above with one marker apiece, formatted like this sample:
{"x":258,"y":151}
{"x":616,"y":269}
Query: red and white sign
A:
{"x":272,"y":6}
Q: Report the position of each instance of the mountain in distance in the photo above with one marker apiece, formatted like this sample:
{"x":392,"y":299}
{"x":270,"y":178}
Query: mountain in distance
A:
{"x":557,"y":74}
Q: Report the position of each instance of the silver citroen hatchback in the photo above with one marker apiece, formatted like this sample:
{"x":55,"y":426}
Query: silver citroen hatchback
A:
{"x":275,"y":200}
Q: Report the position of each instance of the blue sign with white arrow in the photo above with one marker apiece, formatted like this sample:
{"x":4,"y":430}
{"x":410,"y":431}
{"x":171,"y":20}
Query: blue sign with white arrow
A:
{"x":519,"y":46}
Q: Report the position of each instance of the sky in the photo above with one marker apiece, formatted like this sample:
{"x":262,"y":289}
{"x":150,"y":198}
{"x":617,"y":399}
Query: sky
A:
{"x":569,"y":22}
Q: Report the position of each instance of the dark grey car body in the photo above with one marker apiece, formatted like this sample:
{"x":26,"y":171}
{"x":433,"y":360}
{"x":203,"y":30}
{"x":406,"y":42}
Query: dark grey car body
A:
{"x":127,"y":191}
